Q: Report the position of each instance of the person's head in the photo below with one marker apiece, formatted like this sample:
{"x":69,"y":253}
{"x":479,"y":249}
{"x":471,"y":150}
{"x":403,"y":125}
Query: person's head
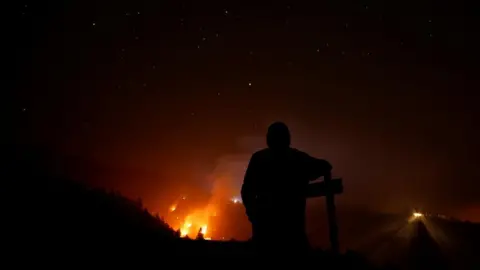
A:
{"x":278,"y":136}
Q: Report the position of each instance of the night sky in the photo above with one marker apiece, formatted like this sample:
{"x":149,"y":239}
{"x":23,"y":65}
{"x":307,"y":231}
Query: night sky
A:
{"x":155,"y":98}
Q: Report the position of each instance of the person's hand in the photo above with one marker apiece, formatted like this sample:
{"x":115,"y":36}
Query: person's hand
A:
{"x":327,"y":167}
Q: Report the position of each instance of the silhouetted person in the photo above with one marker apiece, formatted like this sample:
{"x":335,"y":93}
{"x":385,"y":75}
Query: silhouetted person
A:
{"x":274,"y":190}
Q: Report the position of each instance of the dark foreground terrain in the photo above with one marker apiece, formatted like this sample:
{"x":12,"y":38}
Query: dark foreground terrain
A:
{"x":52,"y":217}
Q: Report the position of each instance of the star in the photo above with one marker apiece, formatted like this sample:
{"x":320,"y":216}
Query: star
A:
{"x":249,"y":84}
{"x":94,"y":24}
{"x":218,"y":94}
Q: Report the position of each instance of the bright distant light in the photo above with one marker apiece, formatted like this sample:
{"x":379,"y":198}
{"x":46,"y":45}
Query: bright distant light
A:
{"x":417,"y":214}
{"x":236,"y":200}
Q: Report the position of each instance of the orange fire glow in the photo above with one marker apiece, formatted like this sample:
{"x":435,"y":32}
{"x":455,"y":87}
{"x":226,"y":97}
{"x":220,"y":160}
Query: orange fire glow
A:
{"x":195,"y":222}
{"x":201,"y":219}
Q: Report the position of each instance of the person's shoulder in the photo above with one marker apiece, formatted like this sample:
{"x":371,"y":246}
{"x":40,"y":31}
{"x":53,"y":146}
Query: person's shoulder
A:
{"x":298,"y":153}
{"x":260,"y":156}
{"x":261,"y":153}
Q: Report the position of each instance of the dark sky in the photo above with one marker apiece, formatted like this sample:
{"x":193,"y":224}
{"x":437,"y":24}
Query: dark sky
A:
{"x":156,"y":97}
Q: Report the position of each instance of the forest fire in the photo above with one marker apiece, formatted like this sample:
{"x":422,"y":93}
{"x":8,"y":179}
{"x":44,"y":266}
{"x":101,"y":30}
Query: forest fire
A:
{"x":196,"y":222}
{"x":192,"y":222}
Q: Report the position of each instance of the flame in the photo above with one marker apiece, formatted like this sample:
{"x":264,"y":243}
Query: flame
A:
{"x":196,"y":222}
{"x":200,"y":220}
{"x":185,"y":229}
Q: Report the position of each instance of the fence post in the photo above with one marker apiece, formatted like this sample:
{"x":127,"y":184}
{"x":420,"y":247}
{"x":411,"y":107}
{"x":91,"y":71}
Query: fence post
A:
{"x":332,"y":219}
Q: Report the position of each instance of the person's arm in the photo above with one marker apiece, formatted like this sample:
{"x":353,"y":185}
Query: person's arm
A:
{"x":316,"y":167}
{"x":249,"y":192}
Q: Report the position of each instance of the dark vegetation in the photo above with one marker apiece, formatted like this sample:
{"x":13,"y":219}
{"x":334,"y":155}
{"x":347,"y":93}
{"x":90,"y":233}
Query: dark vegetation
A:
{"x":53,"y":214}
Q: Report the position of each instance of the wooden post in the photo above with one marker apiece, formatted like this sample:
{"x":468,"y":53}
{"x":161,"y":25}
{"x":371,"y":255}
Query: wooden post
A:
{"x":328,"y":188}
{"x":332,"y":219}
{"x":320,"y":189}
